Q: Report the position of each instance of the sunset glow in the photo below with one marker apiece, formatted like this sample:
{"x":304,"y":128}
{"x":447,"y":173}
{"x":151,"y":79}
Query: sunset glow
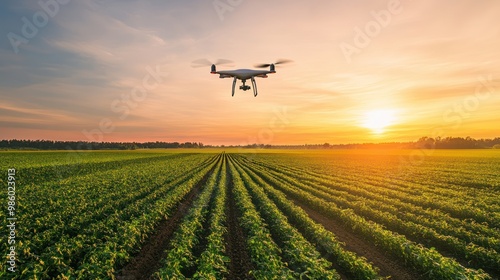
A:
{"x":121,"y":71}
{"x":378,"y":120}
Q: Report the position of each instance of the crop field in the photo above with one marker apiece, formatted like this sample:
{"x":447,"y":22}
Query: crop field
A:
{"x":256,"y":214}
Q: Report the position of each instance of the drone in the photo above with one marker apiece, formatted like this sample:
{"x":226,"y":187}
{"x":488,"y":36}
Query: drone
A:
{"x":241,"y":74}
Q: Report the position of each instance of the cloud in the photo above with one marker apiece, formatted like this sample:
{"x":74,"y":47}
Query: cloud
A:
{"x":32,"y":118}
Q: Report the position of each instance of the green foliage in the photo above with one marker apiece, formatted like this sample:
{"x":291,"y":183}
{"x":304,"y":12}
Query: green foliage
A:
{"x":85,"y":214}
{"x":370,"y":209}
{"x":87,"y":226}
{"x":301,"y":255}
{"x":357,"y":267}
{"x":212,"y":263}
{"x":264,"y":252}
{"x":180,"y":256}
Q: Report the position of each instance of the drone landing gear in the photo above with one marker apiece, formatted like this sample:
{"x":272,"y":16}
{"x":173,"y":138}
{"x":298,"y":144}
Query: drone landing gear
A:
{"x":244,"y":87}
{"x":254,"y":85}
{"x":234,"y":84}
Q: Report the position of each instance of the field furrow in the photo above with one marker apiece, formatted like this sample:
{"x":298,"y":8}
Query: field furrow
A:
{"x":259,"y":215}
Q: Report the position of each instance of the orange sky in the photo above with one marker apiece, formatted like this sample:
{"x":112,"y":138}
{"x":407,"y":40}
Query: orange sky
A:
{"x":369,"y":71}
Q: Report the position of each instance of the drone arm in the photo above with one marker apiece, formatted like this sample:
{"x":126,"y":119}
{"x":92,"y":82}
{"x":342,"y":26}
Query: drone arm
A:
{"x":254,"y":85}
{"x":234,"y":84}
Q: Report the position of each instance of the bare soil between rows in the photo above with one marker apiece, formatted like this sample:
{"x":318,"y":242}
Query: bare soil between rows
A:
{"x":388,"y":265}
{"x":240,"y":263}
{"x":148,"y":260}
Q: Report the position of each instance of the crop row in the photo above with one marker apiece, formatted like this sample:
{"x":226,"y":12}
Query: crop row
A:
{"x":91,"y":224}
{"x":351,"y":264}
{"x":264,"y":252}
{"x":445,"y":198}
{"x":403,"y":220}
{"x":426,"y":260}
{"x":394,"y":201}
{"x":88,"y":220}
{"x":300,"y":255}
{"x":432,"y":177}
{"x":212,"y":263}
{"x":426,"y":186}
{"x":276,"y":247}
{"x":180,"y":258}
{"x":130,"y":235}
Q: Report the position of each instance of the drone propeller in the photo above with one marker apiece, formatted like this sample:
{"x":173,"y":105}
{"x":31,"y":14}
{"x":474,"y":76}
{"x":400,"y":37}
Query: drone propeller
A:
{"x":280,"y":61}
{"x":205,"y":62}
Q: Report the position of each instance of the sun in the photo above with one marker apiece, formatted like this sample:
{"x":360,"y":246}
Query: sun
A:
{"x":378,"y":120}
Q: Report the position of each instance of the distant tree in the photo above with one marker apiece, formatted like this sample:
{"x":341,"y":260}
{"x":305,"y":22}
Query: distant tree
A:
{"x":421,"y":143}
{"x":426,"y":143}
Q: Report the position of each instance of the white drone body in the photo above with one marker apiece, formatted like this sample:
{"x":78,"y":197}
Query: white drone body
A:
{"x":244,"y":75}
{"x":241,"y":74}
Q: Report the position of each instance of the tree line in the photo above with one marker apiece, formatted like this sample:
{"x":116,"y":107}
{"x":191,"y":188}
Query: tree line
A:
{"x":421,"y":143}
{"x":457,"y":143}
{"x":84,"y":145}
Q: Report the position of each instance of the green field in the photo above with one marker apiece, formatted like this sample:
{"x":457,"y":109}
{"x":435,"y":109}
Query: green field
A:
{"x":262,"y":214}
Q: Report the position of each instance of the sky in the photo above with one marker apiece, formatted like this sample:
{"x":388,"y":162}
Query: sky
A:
{"x":362,"y":71}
